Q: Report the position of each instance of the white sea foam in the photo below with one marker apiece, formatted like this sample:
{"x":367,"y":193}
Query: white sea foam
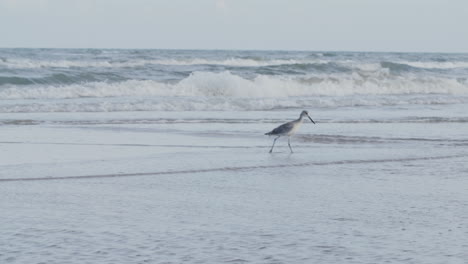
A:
{"x":33,"y":64}
{"x":226,"y":91}
{"x":236,"y":62}
{"x":218,"y":103}
{"x":437,"y":65}
{"x":226,"y":84}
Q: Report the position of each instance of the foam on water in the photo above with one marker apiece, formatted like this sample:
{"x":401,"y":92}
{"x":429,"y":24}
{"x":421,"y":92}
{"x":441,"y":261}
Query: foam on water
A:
{"x":240,"y":62}
{"x":437,"y":65}
{"x":21,"y":63}
{"x":145,"y":80}
{"x":226,"y":91}
{"x":229,"y":85}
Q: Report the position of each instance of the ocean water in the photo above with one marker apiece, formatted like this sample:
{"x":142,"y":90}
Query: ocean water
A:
{"x":55,"y":80}
{"x":159,"y":156}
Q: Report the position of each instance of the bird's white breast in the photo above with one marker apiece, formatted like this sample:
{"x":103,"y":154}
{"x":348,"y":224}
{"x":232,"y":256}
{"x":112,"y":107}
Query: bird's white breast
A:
{"x":295,"y":128}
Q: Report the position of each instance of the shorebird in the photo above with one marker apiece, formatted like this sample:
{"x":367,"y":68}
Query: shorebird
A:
{"x":288,"y":129}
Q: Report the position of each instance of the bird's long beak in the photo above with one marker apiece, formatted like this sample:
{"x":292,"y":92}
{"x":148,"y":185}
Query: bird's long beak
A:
{"x":310,"y":119}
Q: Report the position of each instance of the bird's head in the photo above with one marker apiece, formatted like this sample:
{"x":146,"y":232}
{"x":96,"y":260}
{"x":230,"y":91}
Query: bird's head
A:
{"x":306,"y":114}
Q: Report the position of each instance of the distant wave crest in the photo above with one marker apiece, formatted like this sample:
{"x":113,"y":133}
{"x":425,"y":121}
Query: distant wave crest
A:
{"x":22,"y":63}
{"x":239,"y":62}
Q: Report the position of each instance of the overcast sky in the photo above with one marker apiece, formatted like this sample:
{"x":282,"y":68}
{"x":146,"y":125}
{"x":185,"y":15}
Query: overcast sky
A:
{"x":335,"y":25}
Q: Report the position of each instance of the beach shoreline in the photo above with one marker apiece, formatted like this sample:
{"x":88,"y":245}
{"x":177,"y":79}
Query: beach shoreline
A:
{"x":206,"y":189}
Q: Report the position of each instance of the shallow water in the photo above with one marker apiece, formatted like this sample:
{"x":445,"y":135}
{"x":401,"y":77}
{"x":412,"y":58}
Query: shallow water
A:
{"x":128,"y":187}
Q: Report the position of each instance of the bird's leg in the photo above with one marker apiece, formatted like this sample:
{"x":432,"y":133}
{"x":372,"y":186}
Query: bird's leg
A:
{"x":289,"y":144}
{"x":273,"y":143}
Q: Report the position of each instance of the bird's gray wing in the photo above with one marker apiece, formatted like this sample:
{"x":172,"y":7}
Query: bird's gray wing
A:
{"x":284,"y":128}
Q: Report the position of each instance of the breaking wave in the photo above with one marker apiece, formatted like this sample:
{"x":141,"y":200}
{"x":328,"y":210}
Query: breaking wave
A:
{"x":226,"y":84}
{"x":226,"y":91}
{"x":437,"y":65}
{"x":218,"y":103}
{"x":234,"y":62}
{"x":43,"y":80}
{"x":237,"y":62}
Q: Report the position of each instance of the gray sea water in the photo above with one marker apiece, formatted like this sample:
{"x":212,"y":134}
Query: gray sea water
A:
{"x":74,"y":80}
{"x":159,"y":156}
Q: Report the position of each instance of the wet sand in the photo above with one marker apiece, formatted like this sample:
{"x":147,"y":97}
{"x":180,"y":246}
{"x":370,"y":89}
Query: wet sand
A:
{"x":201,"y":187}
